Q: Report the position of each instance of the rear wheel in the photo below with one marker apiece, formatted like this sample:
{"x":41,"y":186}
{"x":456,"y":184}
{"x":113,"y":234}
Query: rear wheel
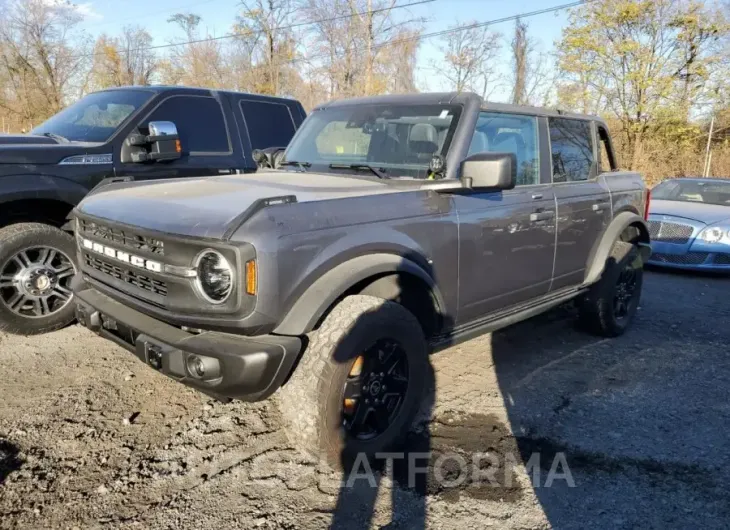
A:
{"x":610,"y":306}
{"x":359,"y":384}
{"x":36,"y":268}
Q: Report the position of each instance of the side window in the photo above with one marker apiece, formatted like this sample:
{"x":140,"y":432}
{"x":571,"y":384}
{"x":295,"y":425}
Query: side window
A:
{"x":572,"y":149}
{"x":269,"y":124}
{"x":606,"y":161}
{"x":199,"y":121}
{"x":510,"y":133}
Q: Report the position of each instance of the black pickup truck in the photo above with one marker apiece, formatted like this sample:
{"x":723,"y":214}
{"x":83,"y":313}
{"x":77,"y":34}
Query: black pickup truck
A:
{"x":130,"y":133}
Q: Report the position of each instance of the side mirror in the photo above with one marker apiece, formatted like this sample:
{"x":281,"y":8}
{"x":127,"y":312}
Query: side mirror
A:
{"x":164,"y":141}
{"x":497,"y":171}
{"x":270,"y":157}
{"x":161,"y":145}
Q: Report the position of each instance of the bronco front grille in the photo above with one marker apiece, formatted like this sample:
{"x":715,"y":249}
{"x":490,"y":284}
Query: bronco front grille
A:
{"x":676,"y":233}
{"x":690,"y":258}
{"x":128,"y":276}
{"x":123,"y":238}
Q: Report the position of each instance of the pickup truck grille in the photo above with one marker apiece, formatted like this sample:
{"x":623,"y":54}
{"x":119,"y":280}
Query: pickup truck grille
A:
{"x":128,"y":276}
{"x":676,"y":233}
{"x":122,"y":238}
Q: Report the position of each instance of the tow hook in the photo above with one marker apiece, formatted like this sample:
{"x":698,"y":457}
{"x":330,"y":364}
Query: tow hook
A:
{"x":154,"y":356}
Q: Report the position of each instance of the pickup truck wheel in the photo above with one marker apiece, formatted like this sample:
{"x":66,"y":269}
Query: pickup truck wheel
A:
{"x":358,"y":386}
{"x":36,"y":268}
{"x":610,"y":305}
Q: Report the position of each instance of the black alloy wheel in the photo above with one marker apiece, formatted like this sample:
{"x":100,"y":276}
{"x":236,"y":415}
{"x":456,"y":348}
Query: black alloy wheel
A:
{"x":375,"y":390}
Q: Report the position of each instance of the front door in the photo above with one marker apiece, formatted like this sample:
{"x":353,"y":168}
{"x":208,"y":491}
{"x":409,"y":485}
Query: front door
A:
{"x":507,"y":239}
{"x":206,"y":144}
{"x":584,"y":206}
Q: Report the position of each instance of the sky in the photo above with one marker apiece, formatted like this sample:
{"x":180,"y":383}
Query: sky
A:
{"x":109,"y":16}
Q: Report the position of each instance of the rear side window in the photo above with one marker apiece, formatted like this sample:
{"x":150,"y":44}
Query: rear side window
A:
{"x":269,"y":124}
{"x":199,"y":121}
{"x":572,"y":149}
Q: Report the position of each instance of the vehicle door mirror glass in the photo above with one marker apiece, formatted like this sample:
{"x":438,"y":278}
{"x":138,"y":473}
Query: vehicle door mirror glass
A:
{"x":162,"y":144}
{"x":496,"y":171}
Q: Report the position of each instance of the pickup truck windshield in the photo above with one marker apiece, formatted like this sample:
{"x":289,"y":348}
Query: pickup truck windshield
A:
{"x":693,"y":191}
{"x":95,"y":117}
{"x":396,"y":140}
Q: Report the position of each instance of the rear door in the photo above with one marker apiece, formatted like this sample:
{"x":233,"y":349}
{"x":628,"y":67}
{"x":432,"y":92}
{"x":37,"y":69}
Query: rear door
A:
{"x":507,"y":238}
{"x":267,"y":122}
{"x":204,"y":135}
{"x":584,"y":206}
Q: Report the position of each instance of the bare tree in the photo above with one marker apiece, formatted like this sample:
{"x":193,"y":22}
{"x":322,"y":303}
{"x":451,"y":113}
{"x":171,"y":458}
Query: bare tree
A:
{"x":363,"y":46}
{"x":264,"y":25}
{"x":469,"y":58}
{"x":123,"y":60}
{"x":42,"y":55}
{"x":199,"y":61}
{"x":520,"y":46}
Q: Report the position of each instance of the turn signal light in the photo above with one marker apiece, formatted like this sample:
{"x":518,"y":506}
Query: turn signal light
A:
{"x":251,"y":276}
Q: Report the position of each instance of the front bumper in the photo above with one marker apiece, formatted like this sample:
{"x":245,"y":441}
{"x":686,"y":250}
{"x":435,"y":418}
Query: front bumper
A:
{"x":234,"y":366}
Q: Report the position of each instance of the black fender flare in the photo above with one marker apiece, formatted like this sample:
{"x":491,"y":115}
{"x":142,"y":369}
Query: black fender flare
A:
{"x":602,"y":249}
{"x":325,"y":290}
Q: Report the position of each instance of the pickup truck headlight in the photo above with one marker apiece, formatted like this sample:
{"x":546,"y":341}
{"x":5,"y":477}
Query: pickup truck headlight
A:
{"x":215,"y":276}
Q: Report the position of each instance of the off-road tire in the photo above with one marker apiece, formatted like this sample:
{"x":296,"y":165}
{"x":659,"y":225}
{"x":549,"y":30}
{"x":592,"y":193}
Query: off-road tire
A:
{"x":13,"y":239}
{"x":596,"y":309}
{"x":311,"y":401}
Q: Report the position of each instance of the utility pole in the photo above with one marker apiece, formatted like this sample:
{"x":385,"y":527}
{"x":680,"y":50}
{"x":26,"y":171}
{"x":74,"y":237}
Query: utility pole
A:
{"x":708,"y":157}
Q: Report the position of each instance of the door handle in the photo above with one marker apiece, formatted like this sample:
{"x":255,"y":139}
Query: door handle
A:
{"x":536,"y":196}
{"x":541,"y":216}
{"x":597,"y":207}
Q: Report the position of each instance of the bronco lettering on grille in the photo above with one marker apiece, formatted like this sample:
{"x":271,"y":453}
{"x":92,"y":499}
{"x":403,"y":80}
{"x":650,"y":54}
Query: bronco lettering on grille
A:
{"x":137,"y":261}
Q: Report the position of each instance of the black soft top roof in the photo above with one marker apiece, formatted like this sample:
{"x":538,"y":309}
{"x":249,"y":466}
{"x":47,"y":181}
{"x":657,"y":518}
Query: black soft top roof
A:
{"x":454,"y":98}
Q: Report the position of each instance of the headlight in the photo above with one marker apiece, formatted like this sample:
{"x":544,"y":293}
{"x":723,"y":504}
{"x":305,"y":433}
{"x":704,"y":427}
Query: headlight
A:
{"x":713,"y":234}
{"x":215,"y":276}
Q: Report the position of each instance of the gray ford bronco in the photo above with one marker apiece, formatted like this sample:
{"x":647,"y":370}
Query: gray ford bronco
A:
{"x":392,"y":227}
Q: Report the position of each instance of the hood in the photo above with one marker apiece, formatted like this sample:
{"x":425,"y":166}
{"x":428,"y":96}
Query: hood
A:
{"x":22,"y":152}
{"x":697,"y":211}
{"x":208,"y":206}
{"x":15,"y":139}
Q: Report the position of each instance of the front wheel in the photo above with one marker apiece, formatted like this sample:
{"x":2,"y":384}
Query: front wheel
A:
{"x":610,"y":306}
{"x":359,"y":384}
{"x":36,"y":268}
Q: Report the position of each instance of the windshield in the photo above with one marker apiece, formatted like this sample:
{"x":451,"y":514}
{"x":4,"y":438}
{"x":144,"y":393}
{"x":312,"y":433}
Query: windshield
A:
{"x":398,"y":140}
{"x":95,"y":117}
{"x":710,"y":192}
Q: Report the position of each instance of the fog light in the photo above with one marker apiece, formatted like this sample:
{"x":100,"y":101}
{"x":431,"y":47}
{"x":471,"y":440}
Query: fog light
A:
{"x":197,"y":366}
{"x":202,"y":367}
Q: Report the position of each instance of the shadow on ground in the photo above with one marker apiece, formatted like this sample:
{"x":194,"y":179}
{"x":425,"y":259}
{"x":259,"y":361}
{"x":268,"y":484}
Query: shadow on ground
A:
{"x":9,"y":459}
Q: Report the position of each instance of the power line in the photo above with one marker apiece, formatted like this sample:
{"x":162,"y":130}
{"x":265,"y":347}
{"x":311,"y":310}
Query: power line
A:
{"x":234,"y":35}
{"x":458,"y":29}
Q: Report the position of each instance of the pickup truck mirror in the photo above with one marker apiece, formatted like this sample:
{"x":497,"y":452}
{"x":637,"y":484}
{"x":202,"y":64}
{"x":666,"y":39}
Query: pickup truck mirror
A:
{"x":497,"y":171}
{"x":160,"y":145}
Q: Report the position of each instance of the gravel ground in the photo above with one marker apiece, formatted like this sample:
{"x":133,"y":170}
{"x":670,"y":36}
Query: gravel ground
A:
{"x":91,"y":438}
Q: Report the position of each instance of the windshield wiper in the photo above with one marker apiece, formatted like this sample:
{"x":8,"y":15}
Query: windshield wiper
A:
{"x":301,"y":165}
{"x":57,"y":137}
{"x":380,"y":173}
